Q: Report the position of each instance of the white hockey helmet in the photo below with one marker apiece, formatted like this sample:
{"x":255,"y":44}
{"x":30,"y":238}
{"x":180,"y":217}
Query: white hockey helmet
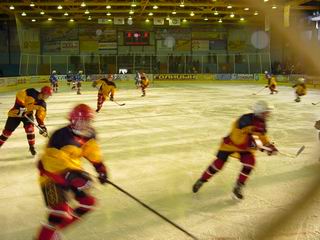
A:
{"x":301,"y":80}
{"x":69,"y":72}
{"x":54,"y":71}
{"x":266,"y":72}
{"x":261,"y":107}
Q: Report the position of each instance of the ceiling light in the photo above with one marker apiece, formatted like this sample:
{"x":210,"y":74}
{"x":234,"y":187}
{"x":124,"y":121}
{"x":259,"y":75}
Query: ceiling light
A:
{"x":155,"y":7}
{"x":266,"y":0}
{"x":274,"y":7}
{"x":89,"y":18}
{"x":11,"y":7}
{"x":86,"y":12}
{"x":150,"y":14}
{"x":109,"y":20}
{"x":71,"y":20}
{"x":133,"y":4}
{"x":184,"y":20}
{"x":108,"y":14}
{"x":83,"y":4}
{"x":246,"y":9}
{"x":216,"y":13}
{"x":108,"y":7}
{"x":42,"y":12}
{"x":33,"y":20}
{"x":131,"y":12}
{"x":49,"y":19}
{"x":242,"y":19}
{"x":256,"y":13}
{"x":31,"y":4}
{"x":182,"y":5}
{"x":66,"y":14}
{"x":232,"y":15}
{"x":147,"y":20}
{"x":59,"y":7}
{"x":174,"y":12}
{"x":220,"y":20}
{"x":229,"y":6}
{"x":192,"y":14}
{"x":206,"y":19}
{"x":23,"y":14}
{"x":129,"y":18}
{"x":167,"y":18}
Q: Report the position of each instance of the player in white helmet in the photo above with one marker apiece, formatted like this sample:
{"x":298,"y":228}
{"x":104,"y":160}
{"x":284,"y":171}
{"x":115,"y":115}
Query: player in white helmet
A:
{"x":301,"y":88}
{"x":241,"y":143}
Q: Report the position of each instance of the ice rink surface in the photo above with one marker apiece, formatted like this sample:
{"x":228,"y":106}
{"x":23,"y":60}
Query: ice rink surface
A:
{"x":156,"y":147}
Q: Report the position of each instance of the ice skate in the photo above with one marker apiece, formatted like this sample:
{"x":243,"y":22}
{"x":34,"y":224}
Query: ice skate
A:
{"x":32,"y":150}
{"x":198,"y":184}
{"x":237,"y":191}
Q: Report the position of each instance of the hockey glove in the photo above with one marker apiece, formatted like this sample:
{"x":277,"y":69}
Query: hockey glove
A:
{"x":111,"y":98}
{"x":317,"y":125}
{"x":273,"y":150}
{"x":22,"y":112}
{"x":43,"y":130}
{"x":102,"y":172}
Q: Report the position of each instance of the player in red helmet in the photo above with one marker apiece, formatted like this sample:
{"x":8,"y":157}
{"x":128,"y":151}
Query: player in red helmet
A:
{"x":27,"y":101}
{"x":61,"y":171}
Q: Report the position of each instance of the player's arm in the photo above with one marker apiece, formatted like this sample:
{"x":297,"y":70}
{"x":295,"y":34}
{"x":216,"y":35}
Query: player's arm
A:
{"x":41,"y":113}
{"x":92,"y":152}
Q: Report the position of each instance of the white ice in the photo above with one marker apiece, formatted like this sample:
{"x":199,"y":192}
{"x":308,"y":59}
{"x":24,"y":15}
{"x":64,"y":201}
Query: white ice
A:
{"x":156,"y":147}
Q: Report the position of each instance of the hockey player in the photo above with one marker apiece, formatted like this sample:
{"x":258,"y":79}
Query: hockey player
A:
{"x":107,"y":89}
{"x":241,"y":141}
{"x":61,"y":172}
{"x":54,"y":80}
{"x":69,"y":78}
{"x":78,"y":78}
{"x":144,"y":83}
{"x":301,"y":89}
{"x":26,"y":102}
{"x":137,"y":79}
{"x":272,"y":84}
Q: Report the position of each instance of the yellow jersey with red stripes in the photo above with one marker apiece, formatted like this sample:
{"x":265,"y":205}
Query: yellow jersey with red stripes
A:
{"x":301,"y":89}
{"x":30,"y":100}
{"x":107,"y":87}
{"x":65,"y":150}
{"x":243,"y":129}
{"x":144,"y":81}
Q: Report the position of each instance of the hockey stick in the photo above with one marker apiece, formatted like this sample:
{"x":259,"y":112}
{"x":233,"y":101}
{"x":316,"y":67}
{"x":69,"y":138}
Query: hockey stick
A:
{"x":315,"y":103}
{"x":152,"y":210}
{"x":283,"y":153}
{"x":37,"y":126}
{"x":119,"y":104}
{"x":258,"y":91}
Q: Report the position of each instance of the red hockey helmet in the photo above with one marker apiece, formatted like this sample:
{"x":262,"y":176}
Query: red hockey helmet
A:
{"x":81,"y":117}
{"x":46,"y":90}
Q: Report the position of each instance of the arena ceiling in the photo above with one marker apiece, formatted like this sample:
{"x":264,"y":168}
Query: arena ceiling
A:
{"x":138,"y":11}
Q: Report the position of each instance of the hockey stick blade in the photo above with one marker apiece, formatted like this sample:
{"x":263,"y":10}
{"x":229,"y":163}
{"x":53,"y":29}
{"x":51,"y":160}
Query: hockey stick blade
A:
{"x":120,"y":104}
{"x":300,"y":150}
{"x":315,"y":103}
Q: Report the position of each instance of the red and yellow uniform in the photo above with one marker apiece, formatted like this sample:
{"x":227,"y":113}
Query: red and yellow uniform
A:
{"x":61,"y":171}
{"x":272,"y":85}
{"x":107,"y":89}
{"x":301,"y":89}
{"x":144,"y":83}
{"x":241,"y":143}
{"x":27,"y":101}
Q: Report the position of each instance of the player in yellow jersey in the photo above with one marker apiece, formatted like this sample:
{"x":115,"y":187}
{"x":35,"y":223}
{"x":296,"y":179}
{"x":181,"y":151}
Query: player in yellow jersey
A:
{"x":272,"y":84}
{"x":27,"y":101}
{"x":301,"y":89}
{"x":241,"y":141}
{"x":106,"y":90}
{"x":144,"y":83}
{"x":61,"y":171}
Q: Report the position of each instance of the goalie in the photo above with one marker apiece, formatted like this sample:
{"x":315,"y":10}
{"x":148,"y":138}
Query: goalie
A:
{"x":241,"y":142}
{"x":106,"y":90}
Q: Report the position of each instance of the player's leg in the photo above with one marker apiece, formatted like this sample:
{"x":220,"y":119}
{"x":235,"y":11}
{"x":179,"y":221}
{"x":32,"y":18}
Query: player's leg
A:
{"x":78,"y":87}
{"x":248,"y":162}
{"x":100,"y":101}
{"x":215,"y":167}
{"x":59,"y":212}
{"x":11,"y":124}
{"x":29,"y":129}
